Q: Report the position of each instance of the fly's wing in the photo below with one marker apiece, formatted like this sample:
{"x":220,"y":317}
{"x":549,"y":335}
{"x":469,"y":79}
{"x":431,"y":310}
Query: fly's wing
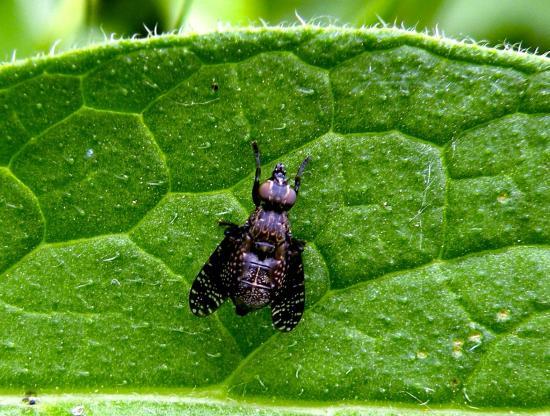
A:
{"x":213,"y":283}
{"x":287,"y":305}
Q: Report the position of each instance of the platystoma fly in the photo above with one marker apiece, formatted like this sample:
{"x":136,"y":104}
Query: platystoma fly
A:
{"x":259,"y":263}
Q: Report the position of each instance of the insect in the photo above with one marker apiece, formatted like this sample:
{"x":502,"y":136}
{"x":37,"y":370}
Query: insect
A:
{"x":259,"y":263}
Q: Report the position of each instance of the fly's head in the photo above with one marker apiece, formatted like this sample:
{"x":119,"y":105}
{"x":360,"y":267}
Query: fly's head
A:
{"x":276,"y":193}
{"x":279,"y":174}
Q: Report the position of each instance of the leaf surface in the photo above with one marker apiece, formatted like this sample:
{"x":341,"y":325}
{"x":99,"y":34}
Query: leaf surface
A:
{"x":424,"y":209}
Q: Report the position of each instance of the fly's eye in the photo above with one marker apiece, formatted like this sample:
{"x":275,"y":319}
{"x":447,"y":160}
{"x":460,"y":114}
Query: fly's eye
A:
{"x":289,"y":198}
{"x":263,"y":247}
{"x":266,"y":191}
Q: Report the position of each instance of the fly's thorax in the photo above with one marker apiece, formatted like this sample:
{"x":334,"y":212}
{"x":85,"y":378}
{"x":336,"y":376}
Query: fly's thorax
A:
{"x":269,"y":226}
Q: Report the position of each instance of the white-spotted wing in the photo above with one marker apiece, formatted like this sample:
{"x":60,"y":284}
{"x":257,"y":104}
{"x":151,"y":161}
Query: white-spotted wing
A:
{"x":287,"y":306}
{"x":212,"y":285}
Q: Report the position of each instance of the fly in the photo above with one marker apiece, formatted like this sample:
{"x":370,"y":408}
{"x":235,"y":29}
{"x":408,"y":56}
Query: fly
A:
{"x":258,"y":264}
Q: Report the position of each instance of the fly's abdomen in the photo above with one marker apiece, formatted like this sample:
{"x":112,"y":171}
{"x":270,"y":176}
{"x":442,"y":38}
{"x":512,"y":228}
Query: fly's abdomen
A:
{"x":258,"y":280}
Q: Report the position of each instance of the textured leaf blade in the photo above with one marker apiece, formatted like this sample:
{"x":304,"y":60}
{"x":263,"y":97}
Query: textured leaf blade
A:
{"x":424,"y":209}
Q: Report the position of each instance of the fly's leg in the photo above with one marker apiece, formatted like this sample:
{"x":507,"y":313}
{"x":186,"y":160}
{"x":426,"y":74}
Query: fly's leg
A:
{"x":256,"y":187}
{"x":298,"y":177}
{"x":242,"y":310}
{"x":297,"y":245}
{"x":224,"y":223}
{"x":232,"y":230}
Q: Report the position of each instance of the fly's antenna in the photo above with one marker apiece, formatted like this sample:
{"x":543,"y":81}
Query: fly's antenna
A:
{"x":298,"y":177}
{"x":256,"y":187}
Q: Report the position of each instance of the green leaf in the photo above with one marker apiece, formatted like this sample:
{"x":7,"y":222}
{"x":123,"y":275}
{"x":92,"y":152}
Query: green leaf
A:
{"x":424,"y":209}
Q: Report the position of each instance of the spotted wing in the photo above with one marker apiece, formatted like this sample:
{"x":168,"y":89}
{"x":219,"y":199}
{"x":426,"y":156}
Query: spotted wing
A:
{"x":212,"y":285}
{"x":287,"y":305}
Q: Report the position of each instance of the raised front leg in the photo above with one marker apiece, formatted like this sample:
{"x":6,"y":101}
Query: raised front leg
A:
{"x":256,"y":187}
{"x":298,"y":177}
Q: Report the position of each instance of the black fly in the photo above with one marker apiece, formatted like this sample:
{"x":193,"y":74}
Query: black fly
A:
{"x":260,"y":263}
